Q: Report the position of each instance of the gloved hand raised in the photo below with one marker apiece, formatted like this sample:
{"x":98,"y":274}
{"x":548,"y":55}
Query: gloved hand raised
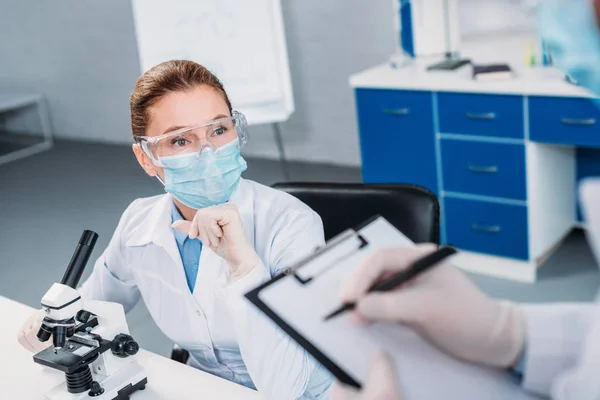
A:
{"x":380,"y":383}
{"x":443,"y":305}
{"x":27,"y":336}
{"x":220,"y":228}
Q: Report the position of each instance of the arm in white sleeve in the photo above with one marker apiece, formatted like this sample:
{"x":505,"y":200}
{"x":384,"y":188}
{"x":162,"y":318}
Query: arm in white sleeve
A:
{"x":279,"y":367}
{"x":111,"y":278}
{"x":555,"y":336}
{"x":581,"y":381}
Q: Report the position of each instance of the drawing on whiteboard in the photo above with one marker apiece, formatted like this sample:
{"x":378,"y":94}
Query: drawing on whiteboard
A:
{"x":219,"y":22}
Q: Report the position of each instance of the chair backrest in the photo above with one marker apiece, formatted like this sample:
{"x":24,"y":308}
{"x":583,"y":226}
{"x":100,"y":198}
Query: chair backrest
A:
{"x":412,"y":209}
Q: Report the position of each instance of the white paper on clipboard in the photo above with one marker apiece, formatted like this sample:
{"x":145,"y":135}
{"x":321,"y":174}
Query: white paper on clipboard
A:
{"x":424,"y":372}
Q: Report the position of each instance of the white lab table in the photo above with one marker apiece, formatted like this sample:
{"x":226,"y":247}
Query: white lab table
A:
{"x":21,"y":378}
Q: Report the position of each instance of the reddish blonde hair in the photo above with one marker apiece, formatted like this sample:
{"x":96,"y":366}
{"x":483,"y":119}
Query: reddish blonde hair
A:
{"x":167,"y":77}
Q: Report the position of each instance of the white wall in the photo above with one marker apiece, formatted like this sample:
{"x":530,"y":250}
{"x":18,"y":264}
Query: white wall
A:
{"x":492,"y":17}
{"x":82,"y":54}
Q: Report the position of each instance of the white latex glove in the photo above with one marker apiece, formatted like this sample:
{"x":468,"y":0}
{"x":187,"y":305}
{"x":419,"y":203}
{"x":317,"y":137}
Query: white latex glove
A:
{"x":380,"y":384}
{"x":443,"y":305}
{"x":220,"y":228}
{"x":27,"y":336}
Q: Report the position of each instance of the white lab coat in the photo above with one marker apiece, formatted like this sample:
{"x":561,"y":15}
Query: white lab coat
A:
{"x":563,"y":340}
{"x":142,"y":260}
{"x":563,"y":351}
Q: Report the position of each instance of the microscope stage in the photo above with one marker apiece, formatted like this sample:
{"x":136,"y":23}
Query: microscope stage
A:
{"x":71,"y":357}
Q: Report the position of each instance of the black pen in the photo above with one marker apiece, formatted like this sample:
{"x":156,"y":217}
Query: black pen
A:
{"x":416,"y":268}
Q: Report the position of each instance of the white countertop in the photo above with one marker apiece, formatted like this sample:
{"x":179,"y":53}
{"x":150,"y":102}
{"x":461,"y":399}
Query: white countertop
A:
{"x":541,"y":81}
{"x":21,"y":378}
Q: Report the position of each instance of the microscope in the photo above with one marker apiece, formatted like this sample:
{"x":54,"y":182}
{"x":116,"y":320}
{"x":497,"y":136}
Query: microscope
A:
{"x":90,"y":341}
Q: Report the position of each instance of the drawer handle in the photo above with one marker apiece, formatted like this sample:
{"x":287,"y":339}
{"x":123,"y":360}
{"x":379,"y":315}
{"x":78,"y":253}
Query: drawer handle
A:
{"x":491,"y":169}
{"x":489,"y":115}
{"x":486,"y":228}
{"x":396,"y":111}
{"x":573,"y":121}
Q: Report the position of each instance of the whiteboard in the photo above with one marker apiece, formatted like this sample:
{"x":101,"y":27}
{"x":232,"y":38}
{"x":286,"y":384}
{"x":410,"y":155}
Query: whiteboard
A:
{"x":242,"y":42}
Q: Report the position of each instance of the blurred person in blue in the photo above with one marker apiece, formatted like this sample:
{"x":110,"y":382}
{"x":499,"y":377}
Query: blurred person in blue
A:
{"x":192,"y":253}
{"x":553,"y":348}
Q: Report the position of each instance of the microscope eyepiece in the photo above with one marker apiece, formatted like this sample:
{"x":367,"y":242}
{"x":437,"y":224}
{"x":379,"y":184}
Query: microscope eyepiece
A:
{"x":80,"y":258}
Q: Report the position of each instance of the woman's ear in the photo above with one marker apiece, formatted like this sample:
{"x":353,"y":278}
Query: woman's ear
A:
{"x":144,"y":160}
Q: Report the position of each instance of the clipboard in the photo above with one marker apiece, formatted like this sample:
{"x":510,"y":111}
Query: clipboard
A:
{"x":299,"y":298}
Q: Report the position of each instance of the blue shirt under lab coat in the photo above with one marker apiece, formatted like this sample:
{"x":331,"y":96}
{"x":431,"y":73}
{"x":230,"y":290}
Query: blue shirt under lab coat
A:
{"x":189,"y":249}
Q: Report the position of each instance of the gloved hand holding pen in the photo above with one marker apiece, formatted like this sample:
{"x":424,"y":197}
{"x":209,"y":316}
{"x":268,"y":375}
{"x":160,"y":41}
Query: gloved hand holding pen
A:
{"x":443,"y":305}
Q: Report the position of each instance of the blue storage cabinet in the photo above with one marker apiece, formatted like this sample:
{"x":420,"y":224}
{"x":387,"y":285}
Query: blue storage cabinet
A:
{"x":504,"y":158}
{"x":480,"y":153}
{"x":469,"y":150}
{"x":397,"y":137}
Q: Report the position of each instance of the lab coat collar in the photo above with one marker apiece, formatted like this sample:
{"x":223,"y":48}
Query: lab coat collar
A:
{"x":156,"y":227}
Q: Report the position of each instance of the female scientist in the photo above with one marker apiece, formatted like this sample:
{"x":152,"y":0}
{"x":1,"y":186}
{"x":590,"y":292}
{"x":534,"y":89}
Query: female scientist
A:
{"x":193,"y":252}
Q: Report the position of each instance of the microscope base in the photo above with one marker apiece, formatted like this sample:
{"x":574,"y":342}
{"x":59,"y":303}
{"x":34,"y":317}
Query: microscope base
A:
{"x":126,"y":381}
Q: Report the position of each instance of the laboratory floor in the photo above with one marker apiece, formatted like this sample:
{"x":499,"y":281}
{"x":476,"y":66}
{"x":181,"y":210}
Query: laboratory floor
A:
{"x":47,"y":200}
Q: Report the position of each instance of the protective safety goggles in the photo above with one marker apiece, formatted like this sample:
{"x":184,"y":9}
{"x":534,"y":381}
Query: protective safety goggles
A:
{"x":188,"y":144}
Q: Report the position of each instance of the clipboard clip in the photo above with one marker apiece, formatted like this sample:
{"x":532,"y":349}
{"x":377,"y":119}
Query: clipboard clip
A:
{"x":336,"y":250}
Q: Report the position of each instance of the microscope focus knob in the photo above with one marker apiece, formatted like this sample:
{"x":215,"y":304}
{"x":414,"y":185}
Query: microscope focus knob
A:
{"x":124,"y":345}
{"x":131,"y":348}
{"x":95,"y":390}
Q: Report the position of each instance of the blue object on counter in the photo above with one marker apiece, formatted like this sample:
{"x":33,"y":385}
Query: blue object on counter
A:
{"x":546,"y":57}
{"x":406,"y":31}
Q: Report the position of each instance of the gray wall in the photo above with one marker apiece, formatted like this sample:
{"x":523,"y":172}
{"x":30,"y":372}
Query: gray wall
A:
{"x":82,"y":54}
{"x":327,"y":42}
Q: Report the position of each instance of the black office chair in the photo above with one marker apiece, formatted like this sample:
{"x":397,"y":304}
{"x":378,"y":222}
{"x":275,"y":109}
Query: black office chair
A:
{"x":413,"y":210}
{"x":179,"y":354}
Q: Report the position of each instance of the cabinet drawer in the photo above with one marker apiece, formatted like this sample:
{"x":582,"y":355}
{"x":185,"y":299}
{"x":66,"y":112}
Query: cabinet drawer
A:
{"x":397,"y":108}
{"x":564,"y":120}
{"x":481,"y":114}
{"x":396,"y":134}
{"x":483,"y":227}
{"x":483,"y":168}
